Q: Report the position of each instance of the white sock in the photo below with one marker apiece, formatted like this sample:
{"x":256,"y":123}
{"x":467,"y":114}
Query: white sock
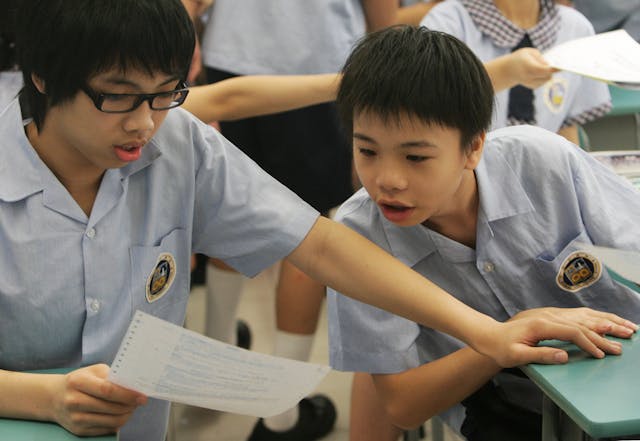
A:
{"x":223,"y":295}
{"x":296,"y":347}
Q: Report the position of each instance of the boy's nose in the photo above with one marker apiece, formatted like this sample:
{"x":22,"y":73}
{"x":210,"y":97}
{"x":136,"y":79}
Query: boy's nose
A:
{"x":140,"y":119}
{"x":391,"y":180}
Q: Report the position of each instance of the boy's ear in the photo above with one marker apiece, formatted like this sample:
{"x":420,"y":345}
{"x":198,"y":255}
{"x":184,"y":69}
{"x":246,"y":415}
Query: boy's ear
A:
{"x":39,"y":83}
{"x":474,"y":152}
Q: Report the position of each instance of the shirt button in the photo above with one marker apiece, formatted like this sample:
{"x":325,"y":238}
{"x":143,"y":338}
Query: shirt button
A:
{"x":95,"y":306}
{"x":91,"y":233}
{"x":488,"y":267}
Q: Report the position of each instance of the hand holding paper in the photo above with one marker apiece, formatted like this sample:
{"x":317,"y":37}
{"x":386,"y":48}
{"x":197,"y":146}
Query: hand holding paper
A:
{"x":169,"y":362}
{"x":613,"y":57}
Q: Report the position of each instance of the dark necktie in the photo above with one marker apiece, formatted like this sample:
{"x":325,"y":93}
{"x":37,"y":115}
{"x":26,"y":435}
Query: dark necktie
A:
{"x":520,"y":97}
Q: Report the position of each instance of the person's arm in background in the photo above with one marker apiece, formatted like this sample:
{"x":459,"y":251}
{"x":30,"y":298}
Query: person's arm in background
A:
{"x":413,"y":14}
{"x":255,"y":95}
{"x":571,"y":133}
{"x":526,"y":67}
{"x":379,"y":14}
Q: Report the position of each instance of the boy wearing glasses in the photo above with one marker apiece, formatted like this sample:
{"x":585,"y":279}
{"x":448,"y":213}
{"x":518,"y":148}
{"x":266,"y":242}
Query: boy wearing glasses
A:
{"x":105,"y":193}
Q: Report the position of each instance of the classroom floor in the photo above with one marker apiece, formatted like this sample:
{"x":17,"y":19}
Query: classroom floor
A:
{"x":257,"y":308}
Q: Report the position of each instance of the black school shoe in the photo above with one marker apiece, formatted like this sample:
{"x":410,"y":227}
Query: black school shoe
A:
{"x":317,"y":416}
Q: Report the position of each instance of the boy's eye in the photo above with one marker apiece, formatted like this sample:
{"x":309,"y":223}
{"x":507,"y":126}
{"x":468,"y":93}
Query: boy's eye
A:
{"x":366,"y":152}
{"x":117,"y":97}
{"x":417,"y":158}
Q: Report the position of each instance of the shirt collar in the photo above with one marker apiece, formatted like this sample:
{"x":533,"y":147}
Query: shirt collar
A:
{"x":19,"y":176}
{"x":409,"y":244}
{"x":491,"y":22}
{"x":501,"y":192}
{"x":21,"y":169}
{"x":501,"y":196}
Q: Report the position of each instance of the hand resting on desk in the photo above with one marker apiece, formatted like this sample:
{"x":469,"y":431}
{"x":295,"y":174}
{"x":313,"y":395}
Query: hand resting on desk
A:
{"x":594,"y":325}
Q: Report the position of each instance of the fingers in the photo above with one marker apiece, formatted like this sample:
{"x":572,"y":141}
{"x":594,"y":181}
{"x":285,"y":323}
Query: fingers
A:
{"x":92,"y":381}
{"x":544,"y":355}
{"x":92,"y":424}
{"x":619,"y":327}
{"x":585,"y":339}
{"x":89,"y":404}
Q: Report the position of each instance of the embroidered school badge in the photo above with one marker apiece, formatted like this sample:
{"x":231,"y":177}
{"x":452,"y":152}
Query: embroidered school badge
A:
{"x":161,"y":278}
{"x":554,"y":92}
{"x":579,"y":270}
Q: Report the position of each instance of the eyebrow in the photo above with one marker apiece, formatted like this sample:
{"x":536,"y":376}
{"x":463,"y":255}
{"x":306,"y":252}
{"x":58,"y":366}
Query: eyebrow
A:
{"x":123,"y":81}
{"x":407,"y":144}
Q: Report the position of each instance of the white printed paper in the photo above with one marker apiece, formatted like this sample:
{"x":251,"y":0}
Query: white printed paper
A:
{"x":625,"y":263}
{"x":613,"y":57}
{"x":166,"y":361}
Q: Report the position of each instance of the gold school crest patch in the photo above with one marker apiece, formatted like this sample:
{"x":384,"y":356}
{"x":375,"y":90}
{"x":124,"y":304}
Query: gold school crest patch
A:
{"x":579,"y":270}
{"x":161,"y":278}
{"x":554,"y":92}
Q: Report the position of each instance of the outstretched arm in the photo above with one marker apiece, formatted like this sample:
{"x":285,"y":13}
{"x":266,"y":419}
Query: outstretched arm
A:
{"x":338,"y":257}
{"x":254,"y":95}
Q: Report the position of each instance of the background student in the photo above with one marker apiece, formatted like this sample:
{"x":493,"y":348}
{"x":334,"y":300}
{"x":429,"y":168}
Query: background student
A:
{"x":509,"y":35}
{"x":97,"y":168}
{"x":497,"y":219}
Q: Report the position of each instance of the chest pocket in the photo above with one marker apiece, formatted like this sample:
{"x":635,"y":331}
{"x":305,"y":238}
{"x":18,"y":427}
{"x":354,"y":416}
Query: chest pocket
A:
{"x":160,"y":276}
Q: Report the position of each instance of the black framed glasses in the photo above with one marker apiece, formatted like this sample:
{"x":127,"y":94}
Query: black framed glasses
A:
{"x":126,"y":102}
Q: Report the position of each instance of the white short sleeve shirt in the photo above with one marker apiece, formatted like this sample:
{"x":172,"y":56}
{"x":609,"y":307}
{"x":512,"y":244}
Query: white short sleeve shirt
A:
{"x":566,"y":99}
{"x":281,"y":36}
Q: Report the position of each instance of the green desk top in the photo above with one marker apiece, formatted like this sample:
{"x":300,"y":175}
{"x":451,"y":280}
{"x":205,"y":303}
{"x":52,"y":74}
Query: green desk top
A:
{"x":624,"y":101}
{"x":601,"y":395}
{"x":20,"y":430}
{"x":23,"y":430}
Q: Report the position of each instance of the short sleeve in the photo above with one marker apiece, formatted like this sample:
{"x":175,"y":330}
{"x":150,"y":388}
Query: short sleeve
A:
{"x":243,"y":215}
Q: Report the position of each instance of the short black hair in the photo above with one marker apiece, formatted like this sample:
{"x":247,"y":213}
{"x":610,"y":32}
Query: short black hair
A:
{"x":413,"y":71}
{"x":67,"y":42}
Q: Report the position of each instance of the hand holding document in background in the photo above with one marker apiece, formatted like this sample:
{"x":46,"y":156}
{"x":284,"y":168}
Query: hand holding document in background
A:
{"x":613,"y":57}
{"x":169,"y":362}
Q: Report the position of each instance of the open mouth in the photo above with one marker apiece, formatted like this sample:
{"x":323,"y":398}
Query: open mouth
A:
{"x":128,"y":153}
{"x":395,"y":212}
{"x":396,"y":208}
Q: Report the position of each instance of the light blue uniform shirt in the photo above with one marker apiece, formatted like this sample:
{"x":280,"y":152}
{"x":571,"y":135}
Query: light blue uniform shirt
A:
{"x":69,"y":284}
{"x":539,"y":197}
{"x":281,"y":36}
{"x":567,"y":99}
